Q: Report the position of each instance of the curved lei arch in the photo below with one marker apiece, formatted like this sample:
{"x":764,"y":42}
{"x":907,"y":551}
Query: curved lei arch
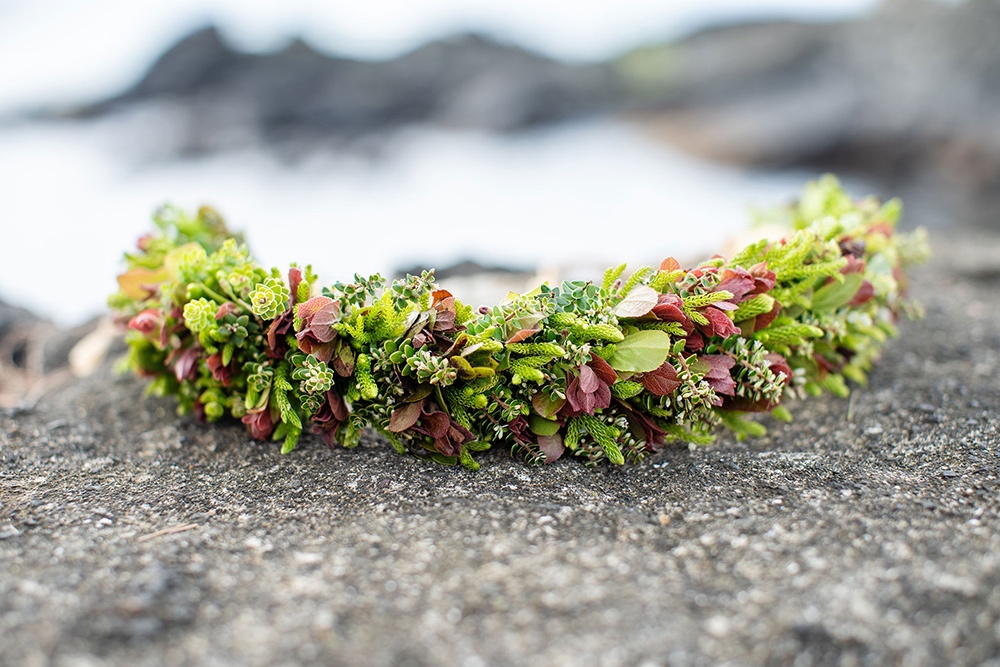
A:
{"x":605,"y":371}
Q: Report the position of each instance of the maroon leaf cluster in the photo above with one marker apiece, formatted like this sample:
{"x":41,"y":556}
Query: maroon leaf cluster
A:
{"x":590,"y":389}
{"x":425,"y":417}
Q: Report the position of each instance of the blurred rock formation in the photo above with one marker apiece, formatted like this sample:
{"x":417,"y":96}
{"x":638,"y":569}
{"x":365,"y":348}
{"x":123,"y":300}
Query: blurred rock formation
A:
{"x":909,"y":96}
{"x":37,"y":355}
{"x":227,"y":98}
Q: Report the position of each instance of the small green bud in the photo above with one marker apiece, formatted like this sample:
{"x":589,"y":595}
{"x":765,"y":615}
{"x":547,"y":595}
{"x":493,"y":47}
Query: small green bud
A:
{"x":316,"y":376}
{"x":199,"y":315}
{"x":269,"y":299}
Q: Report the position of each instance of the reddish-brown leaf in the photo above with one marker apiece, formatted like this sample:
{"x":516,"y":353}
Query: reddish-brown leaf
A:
{"x":603,"y":369}
{"x":435,"y":424}
{"x":662,"y":381}
{"x":521,"y":335}
{"x":669,"y":265}
{"x":405,"y":416}
{"x":552,"y":446}
{"x":588,"y":380}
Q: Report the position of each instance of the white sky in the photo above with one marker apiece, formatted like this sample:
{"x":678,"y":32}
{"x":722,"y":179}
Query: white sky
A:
{"x":57,"y":51}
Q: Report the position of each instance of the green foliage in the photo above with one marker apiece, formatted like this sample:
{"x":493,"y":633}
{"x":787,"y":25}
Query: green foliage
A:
{"x":742,"y":426}
{"x":641,"y":351}
{"x":269,"y":298}
{"x":758,"y":305}
{"x":606,"y":436}
{"x":607,"y":372}
{"x":314,"y":376}
{"x":199,"y":315}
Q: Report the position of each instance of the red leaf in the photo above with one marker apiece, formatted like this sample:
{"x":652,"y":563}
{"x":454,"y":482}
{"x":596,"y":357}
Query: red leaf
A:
{"x":662,"y":381}
{"x":603,"y":369}
{"x":147,"y":321}
{"x":443,"y":297}
{"x":854,"y":265}
{"x":405,"y":416}
{"x":445,"y":446}
{"x":185,"y":364}
{"x":719,"y":323}
{"x":764,"y":320}
{"x":670,"y":265}
{"x":337,"y":406}
{"x":435,"y":424}
{"x":763,"y":278}
{"x":718,"y":377}
{"x":668,"y":309}
{"x":307,"y":308}
{"x":588,"y":380}
{"x":318,"y":316}
{"x":521,"y":335}
{"x":863,"y":295}
{"x":552,"y":446}
{"x":294,"y":278}
{"x":223,"y":374}
{"x":737,"y":281}
{"x":260,"y":423}
{"x":719,"y":365}
{"x":694,"y":342}
{"x":444,"y":320}
{"x":228,"y":308}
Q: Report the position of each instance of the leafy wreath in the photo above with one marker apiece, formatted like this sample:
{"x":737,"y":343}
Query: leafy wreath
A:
{"x":605,"y":372}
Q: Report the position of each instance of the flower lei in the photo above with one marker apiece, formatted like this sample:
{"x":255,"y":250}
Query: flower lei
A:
{"x":607,"y":371}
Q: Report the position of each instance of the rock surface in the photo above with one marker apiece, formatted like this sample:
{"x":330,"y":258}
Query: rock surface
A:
{"x":865,"y":532}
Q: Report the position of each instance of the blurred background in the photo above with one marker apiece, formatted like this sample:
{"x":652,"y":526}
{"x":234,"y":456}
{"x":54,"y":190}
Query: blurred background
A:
{"x":515,"y":136}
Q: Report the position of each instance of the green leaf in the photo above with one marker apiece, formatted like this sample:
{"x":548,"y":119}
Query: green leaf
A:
{"x":546,"y":405}
{"x":541,"y":426}
{"x":641,"y":352}
{"x":835,"y":295}
{"x":639,"y":301}
{"x":291,"y":439}
{"x":697,"y":366}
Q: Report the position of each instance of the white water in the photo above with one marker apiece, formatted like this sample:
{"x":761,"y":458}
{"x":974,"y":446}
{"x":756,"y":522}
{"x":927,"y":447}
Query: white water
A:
{"x":578,"y":197}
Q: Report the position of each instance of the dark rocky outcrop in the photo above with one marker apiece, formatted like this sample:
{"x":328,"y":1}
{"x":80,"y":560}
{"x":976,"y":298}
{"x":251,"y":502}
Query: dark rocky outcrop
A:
{"x":36,"y":355}
{"x":910,"y":96}
{"x":228,"y":98}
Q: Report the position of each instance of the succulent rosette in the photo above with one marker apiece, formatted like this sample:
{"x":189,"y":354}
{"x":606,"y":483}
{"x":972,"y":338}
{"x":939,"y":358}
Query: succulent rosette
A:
{"x":605,"y":372}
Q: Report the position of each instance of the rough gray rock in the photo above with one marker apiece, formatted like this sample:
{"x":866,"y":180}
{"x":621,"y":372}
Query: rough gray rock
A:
{"x":864,"y":532}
